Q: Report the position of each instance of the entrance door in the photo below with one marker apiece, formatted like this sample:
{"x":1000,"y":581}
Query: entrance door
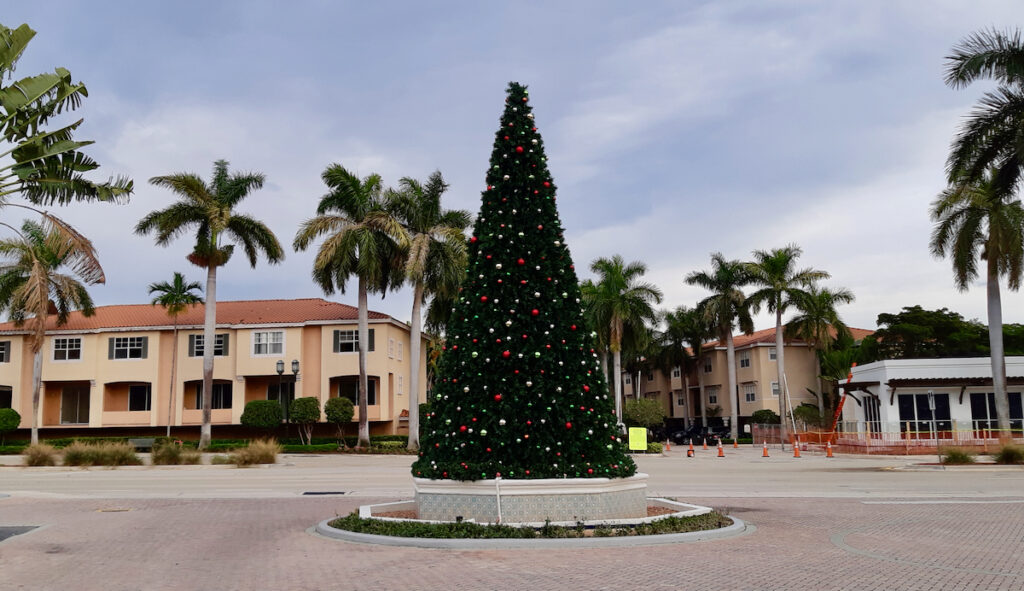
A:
{"x":74,"y":405}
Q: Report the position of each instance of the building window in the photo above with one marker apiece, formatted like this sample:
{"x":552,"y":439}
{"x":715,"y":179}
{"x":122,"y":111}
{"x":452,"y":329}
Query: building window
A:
{"x":127,"y":347}
{"x":6,"y":397}
{"x":918,"y":417}
{"x":712,"y":392}
{"x":675,"y":372}
{"x":650,"y":376}
{"x":221,"y":343}
{"x":744,"y":358}
{"x":400,"y":347}
{"x":5,"y":351}
{"x":221,"y":395}
{"x":628,"y":380}
{"x":749,"y":392}
{"x":350,"y":388}
{"x":275,"y":391}
{"x":347,"y":341}
{"x":775,"y":389}
{"x":67,"y":349}
{"x":681,"y":400}
{"x":139,"y":397}
{"x":773,"y":354}
{"x":983,"y":410}
{"x":269,"y":342}
{"x":391,"y":348}
{"x":707,"y":365}
{"x":401,"y":384}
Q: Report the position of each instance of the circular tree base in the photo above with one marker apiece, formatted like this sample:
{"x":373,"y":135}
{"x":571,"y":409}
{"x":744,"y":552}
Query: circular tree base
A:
{"x":532,"y":501}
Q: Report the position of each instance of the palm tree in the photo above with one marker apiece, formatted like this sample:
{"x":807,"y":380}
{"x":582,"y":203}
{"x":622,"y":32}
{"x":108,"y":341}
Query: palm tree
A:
{"x":436,"y":263}
{"x":620,"y":302}
{"x":174,"y":297}
{"x":672,"y":348}
{"x":589,"y":295}
{"x":726,"y":308}
{"x":32,"y":288}
{"x":209,"y":208}
{"x":981,"y":220}
{"x":690,"y":325}
{"x":992,"y":137}
{"x":363,"y":238}
{"x":818,"y":323}
{"x":780,"y":284}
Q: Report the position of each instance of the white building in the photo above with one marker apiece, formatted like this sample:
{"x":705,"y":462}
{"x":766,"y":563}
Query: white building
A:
{"x":919,"y":397}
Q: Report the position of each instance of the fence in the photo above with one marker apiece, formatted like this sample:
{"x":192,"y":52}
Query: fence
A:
{"x":906,"y":438}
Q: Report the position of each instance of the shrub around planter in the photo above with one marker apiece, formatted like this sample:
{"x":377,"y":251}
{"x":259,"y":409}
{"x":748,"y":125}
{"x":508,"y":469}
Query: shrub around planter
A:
{"x":304,"y":412}
{"x":260,"y":451}
{"x":1009,"y":454}
{"x":9,"y":421}
{"x":40,"y":454}
{"x":262,"y":414}
{"x":173,"y":454}
{"x":100,"y":454}
{"x":339,"y":412}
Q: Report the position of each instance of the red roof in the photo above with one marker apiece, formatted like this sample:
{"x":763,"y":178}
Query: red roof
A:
{"x":230,"y":313}
{"x":768,"y":336}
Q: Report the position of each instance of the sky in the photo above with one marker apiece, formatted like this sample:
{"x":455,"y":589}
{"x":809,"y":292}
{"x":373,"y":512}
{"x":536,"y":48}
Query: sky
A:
{"x":673,"y":129}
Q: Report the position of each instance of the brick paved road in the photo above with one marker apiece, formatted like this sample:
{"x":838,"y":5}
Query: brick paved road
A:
{"x":262,"y":543}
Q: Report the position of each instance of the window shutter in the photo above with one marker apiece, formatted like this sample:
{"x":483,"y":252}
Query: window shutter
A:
{"x":145,"y":347}
{"x":227,"y":342}
{"x":337,"y":341}
{"x":110,"y":348}
{"x":370,"y":347}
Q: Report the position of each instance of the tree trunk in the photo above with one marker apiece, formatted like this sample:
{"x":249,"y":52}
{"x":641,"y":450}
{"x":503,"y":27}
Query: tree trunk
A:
{"x":688,"y":411}
{"x":617,"y":370}
{"x":995,"y":339}
{"x":364,"y":339}
{"x":37,"y":374}
{"x":174,"y":365}
{"x":734,"y":393}
{"x":209,"y":326}
{"x":780,"y":359}
{"x":703,"y":400}
{"x":414,"y":369}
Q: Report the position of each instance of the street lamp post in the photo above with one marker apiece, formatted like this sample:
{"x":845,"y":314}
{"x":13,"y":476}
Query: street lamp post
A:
{"x":280,"y":392}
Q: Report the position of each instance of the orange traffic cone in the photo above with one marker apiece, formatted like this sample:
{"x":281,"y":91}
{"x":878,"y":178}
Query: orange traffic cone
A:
{"x":691,"y":448}
{"x":721,"y":451}
{"x":689,"y":453}
{"x":668,"y":446}
{"x":735,"y":444}
{"x":764,"y":450}
{"x":796,"y":451}
{"x":705,"y":443}
{"x":828,"y":449}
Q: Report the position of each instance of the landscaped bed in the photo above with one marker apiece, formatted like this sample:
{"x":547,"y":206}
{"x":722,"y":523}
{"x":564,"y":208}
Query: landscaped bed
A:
{"x":468,"y":530}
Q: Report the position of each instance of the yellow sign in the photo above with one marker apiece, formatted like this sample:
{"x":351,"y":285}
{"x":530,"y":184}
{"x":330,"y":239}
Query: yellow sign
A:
{"x":637,"y":439}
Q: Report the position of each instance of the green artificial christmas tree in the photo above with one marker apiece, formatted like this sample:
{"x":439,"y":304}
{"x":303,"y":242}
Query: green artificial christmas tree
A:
{"x":520,"y":392}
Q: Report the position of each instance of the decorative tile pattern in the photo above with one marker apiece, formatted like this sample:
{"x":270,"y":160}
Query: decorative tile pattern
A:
{"x":517,"y":508}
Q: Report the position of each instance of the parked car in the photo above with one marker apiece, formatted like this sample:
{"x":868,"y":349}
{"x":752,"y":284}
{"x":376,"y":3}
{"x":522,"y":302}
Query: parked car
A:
{"x":698,"y":433}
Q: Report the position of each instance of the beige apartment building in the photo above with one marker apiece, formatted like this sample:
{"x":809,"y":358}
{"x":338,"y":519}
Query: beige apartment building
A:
{"x":756,"y":377}
{"x":113,"y":369}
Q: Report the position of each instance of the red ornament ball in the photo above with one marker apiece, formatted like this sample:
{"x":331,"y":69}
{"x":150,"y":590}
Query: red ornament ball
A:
{"x":586,"y":388}
{"x":535,"y":312}
{"x":590,"y":470}
{"x":506,"y":354}
{"x":519,"y":149}
{"x":573,"y":327}
{"x":497,"y":397}
{"x":473,"y":239}
{"x":462,"y":429}
{"x":568,"y":425}
{"x":521,"y":262}
{"x":483,"y":298}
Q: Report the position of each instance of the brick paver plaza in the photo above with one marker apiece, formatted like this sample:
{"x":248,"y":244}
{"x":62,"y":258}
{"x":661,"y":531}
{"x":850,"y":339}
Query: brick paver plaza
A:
{"x":846,"y":523}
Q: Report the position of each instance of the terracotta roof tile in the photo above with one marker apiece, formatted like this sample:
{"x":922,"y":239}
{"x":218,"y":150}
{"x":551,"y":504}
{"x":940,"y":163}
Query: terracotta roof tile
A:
{"x":231,"y":313}
{"x":768,"y":336}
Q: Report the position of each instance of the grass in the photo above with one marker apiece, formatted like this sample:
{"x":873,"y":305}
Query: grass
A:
{"x":956,"y":456}
{"x":40,"y":454}
{"x":259,"y":451}
{"x":1009,"y":454}
{"x":466,"y":530}
{"x":100,"y":454}
{"x":172,"y":454}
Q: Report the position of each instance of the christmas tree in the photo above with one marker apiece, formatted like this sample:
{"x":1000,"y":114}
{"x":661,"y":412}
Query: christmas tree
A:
{"x":520,"y":392}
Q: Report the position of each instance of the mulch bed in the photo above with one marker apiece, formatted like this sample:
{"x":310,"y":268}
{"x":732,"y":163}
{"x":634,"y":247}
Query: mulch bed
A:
{"x":652,"y":511}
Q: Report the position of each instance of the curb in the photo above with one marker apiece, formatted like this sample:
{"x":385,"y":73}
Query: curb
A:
{"x":738,"y":528}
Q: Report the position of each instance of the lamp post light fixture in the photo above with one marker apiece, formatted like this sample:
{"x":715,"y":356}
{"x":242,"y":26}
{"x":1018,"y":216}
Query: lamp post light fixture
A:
{"x":280,"y":391}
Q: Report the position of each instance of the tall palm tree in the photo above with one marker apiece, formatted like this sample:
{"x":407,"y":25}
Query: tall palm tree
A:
{"x":693,"y":328}
{"x":673,"y":351}
{"x":992,"y":137}
{"x":31,"y":285}
{"x":175,"y":297}
{"x":982,"y":220}
{"x":435,"y":264}
{"x":364,"y":239}
{"x":818,"y":323}
{"x":620,"y":302}
{"x":726,"y":308}
{"x":780,"y":283}
{"x":589,"y":294}
{"x":209,"y":209}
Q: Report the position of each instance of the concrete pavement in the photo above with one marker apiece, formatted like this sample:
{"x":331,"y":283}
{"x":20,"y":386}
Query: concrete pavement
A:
{"x":846,"y":523}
